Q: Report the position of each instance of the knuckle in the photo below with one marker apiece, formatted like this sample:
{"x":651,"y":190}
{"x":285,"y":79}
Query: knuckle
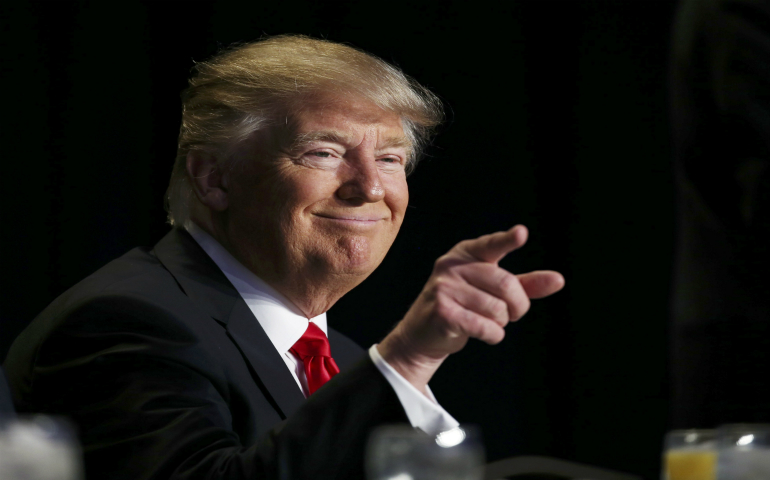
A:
{"x":442,"y":291}
{"x":497,"y":308}
{"x":445,"y":309}
{"x":490,"y":332}
{"x":508,"y":283}
{"x":446,"y":261}
{"x":442,"y":263}
{"x":472,"y":325}
{"x":463,"y":244}
{"x":521,"y":306}
{"x":439,"y":262}
{"x":441,"y":286}
{"x":497,"y":337}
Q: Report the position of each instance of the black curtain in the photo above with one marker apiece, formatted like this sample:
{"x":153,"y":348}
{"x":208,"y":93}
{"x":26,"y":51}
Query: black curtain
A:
{"x":557,"y":119}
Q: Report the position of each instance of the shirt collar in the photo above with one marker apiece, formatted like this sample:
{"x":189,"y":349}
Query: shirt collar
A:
{"x":281,"y":320}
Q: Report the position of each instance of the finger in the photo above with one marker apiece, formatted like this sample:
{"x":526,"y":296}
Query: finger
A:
{"x":499,"y":283}
{"x":481,"y":302}
{"x":493,"y":247}
{"x":473,"y":325}
{"x":541,"y":283}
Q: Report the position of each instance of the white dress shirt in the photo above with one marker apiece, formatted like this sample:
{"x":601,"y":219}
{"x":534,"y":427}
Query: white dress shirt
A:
{"x":284,"y":324}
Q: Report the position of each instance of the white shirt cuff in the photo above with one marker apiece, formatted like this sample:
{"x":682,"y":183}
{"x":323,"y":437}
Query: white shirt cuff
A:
{"x":423,"y":412}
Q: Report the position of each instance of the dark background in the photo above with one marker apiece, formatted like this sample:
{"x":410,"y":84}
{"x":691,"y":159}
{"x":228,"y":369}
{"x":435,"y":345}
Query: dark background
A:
{"x":557,"y":120}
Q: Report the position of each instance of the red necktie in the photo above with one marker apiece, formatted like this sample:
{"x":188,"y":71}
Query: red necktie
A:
{"x":313,"y":349}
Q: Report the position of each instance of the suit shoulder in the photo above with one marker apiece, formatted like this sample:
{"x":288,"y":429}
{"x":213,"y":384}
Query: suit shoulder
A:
{"x":133,"y":293}
{"x":137,"y":271}
{"x":137,"y":274}
{"x":132,"y":308}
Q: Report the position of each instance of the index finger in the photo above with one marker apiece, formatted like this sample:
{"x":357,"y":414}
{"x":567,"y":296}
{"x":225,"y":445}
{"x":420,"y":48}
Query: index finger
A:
{"x":493,"y":247}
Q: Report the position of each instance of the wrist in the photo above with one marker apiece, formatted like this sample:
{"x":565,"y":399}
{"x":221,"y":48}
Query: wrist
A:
{"x":417,"y":369}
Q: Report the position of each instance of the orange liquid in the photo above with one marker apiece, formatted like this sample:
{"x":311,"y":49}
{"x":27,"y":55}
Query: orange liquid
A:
{"x":690,"y":465}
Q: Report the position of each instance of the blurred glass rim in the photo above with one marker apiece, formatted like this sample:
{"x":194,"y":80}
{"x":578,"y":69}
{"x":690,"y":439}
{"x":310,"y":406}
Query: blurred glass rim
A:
{"x":744,"y":435}
{"x":48,"y":426}
{"x":454,"y":436}
{"x":698,"y":438}
{"x":691,"y":431}
{"x":403,"y":452}
{"x":465,"y":436}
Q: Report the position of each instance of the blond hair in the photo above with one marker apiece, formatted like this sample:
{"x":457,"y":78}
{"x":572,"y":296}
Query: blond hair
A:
{"x":250,"y":87}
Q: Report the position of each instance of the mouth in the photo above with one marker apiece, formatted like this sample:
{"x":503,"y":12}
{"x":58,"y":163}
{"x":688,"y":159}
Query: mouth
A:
{"x":360,"y":220}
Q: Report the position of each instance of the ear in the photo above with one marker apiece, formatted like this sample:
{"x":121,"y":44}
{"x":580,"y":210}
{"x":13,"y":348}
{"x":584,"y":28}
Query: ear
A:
{"x":208,"y":180}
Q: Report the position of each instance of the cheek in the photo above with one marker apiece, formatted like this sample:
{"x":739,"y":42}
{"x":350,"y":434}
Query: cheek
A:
{"x":302,"y":189}
{"x":261,"y":201}
{"x":397,"y":195}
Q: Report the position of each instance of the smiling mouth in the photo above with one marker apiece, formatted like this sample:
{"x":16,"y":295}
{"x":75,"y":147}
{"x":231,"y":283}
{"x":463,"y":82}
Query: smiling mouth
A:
{"x":352,"y":219}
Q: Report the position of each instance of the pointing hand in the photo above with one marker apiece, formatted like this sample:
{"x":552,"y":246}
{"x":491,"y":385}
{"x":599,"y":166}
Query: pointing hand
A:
{"x":467,"y":296}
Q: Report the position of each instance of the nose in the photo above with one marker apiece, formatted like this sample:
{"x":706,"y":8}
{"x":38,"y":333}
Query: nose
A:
{"x":361,"y":181}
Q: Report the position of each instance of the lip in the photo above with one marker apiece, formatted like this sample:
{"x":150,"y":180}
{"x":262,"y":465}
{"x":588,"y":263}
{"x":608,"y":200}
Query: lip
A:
{"x":352,"y":219}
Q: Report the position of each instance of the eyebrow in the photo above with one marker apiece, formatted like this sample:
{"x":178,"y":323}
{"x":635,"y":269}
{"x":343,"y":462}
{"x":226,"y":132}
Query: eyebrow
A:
{"x":335,"y":136}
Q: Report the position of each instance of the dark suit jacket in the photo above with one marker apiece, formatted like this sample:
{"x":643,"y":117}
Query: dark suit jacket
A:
{"x":167,"y":374}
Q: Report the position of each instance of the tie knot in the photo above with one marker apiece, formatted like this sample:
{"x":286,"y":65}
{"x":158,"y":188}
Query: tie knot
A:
{"x":313,"y":343}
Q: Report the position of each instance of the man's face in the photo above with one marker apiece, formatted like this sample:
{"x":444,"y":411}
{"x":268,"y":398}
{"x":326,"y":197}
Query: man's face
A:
{"x":326,"y":209}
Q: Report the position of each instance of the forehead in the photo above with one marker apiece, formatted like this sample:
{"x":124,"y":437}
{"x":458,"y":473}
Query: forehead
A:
{"x":336,"y":119}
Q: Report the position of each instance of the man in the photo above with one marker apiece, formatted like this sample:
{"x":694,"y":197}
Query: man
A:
{"x":289,"y":188}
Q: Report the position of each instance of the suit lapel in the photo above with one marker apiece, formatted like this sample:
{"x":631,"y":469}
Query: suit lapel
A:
{"x":209,"y":288}
{"x":255,"y":345}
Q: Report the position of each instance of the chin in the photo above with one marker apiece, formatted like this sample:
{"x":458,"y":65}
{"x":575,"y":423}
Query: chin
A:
{"x":354,"y":266}
{"x":361,"y":254}
{"x":353,"y":270}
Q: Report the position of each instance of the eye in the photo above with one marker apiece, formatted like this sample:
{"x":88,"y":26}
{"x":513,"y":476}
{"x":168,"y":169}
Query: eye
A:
{"x":391,"y":164}
{"x":390,"y":159}
{"x":326,"y":158}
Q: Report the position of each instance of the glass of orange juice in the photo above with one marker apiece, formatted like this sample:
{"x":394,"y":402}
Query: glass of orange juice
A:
{"x":690,"y":455}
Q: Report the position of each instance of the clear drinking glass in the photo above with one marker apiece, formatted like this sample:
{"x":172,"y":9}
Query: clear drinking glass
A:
{"x":39,"y":448}
{"x":398,"y":452}
{"x":690,"y":455}
{"x":744,"y":452}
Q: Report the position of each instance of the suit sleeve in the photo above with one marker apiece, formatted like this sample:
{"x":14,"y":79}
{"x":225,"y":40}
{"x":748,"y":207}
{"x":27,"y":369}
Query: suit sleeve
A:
{"x":150,"y":405}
